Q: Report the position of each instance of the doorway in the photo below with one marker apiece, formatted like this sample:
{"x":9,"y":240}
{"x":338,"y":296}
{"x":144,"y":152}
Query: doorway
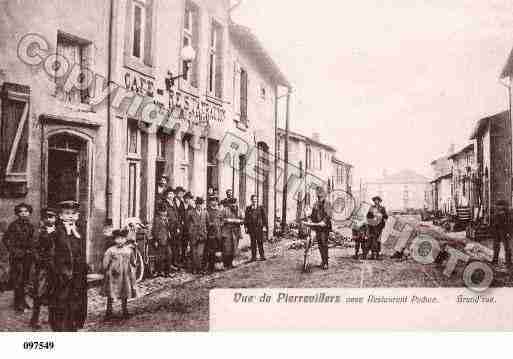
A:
{"x":67,"y":173}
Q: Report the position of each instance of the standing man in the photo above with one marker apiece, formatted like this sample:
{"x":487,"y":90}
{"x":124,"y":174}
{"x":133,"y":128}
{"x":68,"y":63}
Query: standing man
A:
{"x":376,"y":218}
{"x":180,"y":208}
{"x":255,"y":221}
{"x":501,"y":229}
{"x":230,"y":231}
{"x":162,"y":185}
{"x":173,"y":223}
{"x":214,"y":222}
{"x":321,"y":213}
{"x":197,"y":221}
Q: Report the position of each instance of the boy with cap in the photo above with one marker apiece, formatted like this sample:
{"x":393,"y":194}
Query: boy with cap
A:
{"x":44,"y":264}
{"x":197,"y":221}
{"x":19,"y":241}
{"x":68,"y":308}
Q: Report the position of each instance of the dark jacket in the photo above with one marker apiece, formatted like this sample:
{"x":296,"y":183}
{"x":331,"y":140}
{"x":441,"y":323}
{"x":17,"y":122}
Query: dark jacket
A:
{"x":197,"y":226}
{"x":173,"y":219}
{"x":68,"y":307}
{"x":322,"y":211}
{"x":214,"y":223}
{"x":502,"y":224}
{"x":255,"y":219}
{"x":160,"y":230}
{"x":19,"y":239}
{"x":384,"y":215}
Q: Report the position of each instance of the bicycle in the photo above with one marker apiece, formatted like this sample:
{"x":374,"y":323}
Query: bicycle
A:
{"x":139,"y":239}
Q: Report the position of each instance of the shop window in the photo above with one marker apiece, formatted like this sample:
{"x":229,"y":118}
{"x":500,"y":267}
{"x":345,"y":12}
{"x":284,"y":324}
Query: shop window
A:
{"x":132,"y":188}
{"x":161,"y":146}
{"x":191,"y":38}
{"x":133,"y":138}
{"x":215,"y":67}
{"x":76,"y":51}
{"x":212,"y":165}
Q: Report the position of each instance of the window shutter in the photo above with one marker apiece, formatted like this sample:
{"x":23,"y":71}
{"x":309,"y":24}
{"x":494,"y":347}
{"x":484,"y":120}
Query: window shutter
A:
{"x":219,"y":63}
{"x":14,"y":133}
{"x":244,"y":96}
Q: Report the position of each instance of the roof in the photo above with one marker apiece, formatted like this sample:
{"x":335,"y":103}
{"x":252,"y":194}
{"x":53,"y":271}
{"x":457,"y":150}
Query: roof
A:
{"x":337,"y":161}
{"x":404,"y":176}
{"x":245,"y":39}
{"x":483,"y":123}
{"x":307,"y":139}
{"x":507,"y":70}
{"x":445,"y":158}
{"x":467,"y":148}
{"x":447,"y":175}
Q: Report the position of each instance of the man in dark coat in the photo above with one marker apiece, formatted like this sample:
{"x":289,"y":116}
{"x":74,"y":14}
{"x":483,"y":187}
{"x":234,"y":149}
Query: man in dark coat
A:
{"x":255,"y":221}
{"x":501,"y":231}
{"x":182,"y":237}
{"x":322,"y":213}
{"x":214,"y":224}
{"x":19,"y":241}
{"x":174,"y":227}
{"x":197,"y":230}
{"x":376,"y":218}
{"x":162,"y":240}
{"x":44,"y":272}
{"x":68,"y":307}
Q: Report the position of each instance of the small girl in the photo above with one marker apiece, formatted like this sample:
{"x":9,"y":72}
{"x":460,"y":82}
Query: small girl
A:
{"x":119,"y":266}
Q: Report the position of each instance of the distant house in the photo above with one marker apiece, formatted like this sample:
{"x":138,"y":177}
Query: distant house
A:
{"x":464,"y":171}
{"x":441,"y":186}
{"x":400,"y":191}
{"x":493,"y":139}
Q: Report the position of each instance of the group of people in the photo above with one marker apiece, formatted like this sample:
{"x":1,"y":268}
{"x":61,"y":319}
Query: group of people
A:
{"x":189,"y":234}
{"x":51,"y":261}
{"x":367,"y":237}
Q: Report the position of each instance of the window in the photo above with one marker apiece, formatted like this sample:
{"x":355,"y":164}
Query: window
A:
{"x":132,"y":189}
{"x":212,"y":164}
{"x":132,"y":138}
{"x":215,"y":67}
{"x":141,"y":31}
{"x":320,"y":160}
{"x":263,"y":92}
{"x":161,"y":146}
{"x":76,"y":52}
{"x":308,"y":157}
{"x":243,"y":95}
{"x":191,"y":38}
{"x":138,"y":30}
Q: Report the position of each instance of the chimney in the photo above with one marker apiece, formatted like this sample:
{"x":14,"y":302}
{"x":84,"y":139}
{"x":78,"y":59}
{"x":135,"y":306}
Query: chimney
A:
{"x":452,"y":149}
{"x":316,"y":137}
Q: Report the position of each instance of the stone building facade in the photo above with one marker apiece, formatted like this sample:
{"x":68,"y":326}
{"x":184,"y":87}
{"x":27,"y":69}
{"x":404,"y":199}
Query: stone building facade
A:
{"x":89,"y":110}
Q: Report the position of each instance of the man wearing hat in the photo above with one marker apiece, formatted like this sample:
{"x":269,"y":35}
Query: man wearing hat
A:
{"x":44,"y":264}
{"x":19,"y":241}
{"x":376,"y":218}
{"x":501,"y":231}
{"x":214,"y":223}
{"x":321,"y":213}
{"x":255,"y":221}
{"x":181,"y":209}
{"x":197,"y":231}
{"x":230,"y":231}
{"x":173,"y":223}
{"x":68,"y":308}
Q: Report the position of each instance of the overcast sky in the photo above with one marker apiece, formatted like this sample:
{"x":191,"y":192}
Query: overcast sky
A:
{"x":391,"y":84}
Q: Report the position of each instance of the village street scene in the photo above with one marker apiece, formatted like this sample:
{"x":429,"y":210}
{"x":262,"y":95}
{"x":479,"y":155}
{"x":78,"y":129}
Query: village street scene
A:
{"x":154,"y":150}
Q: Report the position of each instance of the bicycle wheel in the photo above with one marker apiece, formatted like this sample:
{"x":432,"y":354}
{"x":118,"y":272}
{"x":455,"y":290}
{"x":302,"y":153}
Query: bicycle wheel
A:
{"x":139,"y":266}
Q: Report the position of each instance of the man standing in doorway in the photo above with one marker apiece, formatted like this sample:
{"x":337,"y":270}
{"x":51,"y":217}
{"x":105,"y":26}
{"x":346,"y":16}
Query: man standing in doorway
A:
{"x":255,"y":221}
{"x":162,"y":185}
{"x":180,"y":207}
{"x":321,"y":214}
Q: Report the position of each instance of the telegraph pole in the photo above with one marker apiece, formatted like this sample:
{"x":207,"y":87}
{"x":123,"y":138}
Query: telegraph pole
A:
{"x":285,"y":165}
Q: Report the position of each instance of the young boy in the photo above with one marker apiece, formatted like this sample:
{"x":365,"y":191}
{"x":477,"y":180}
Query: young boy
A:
{"x":44,"y":264}
{"x":214,"y":224}
{"x":19,"y":241}
{"x":197,"y":221}
{"x":68,"y":308}
{"x":162,"y":240}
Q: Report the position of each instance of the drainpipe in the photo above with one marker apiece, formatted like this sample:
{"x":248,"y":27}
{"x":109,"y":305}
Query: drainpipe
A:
{"x":275,"y":154}
{"x":108,"y":187}
{"x":285,"y":166}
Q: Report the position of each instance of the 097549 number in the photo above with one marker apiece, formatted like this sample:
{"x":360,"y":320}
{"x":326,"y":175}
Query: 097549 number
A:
{"x":38,"y":345}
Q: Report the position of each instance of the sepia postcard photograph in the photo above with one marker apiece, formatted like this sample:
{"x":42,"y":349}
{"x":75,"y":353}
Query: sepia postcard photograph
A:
{"x":230,"y":165}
